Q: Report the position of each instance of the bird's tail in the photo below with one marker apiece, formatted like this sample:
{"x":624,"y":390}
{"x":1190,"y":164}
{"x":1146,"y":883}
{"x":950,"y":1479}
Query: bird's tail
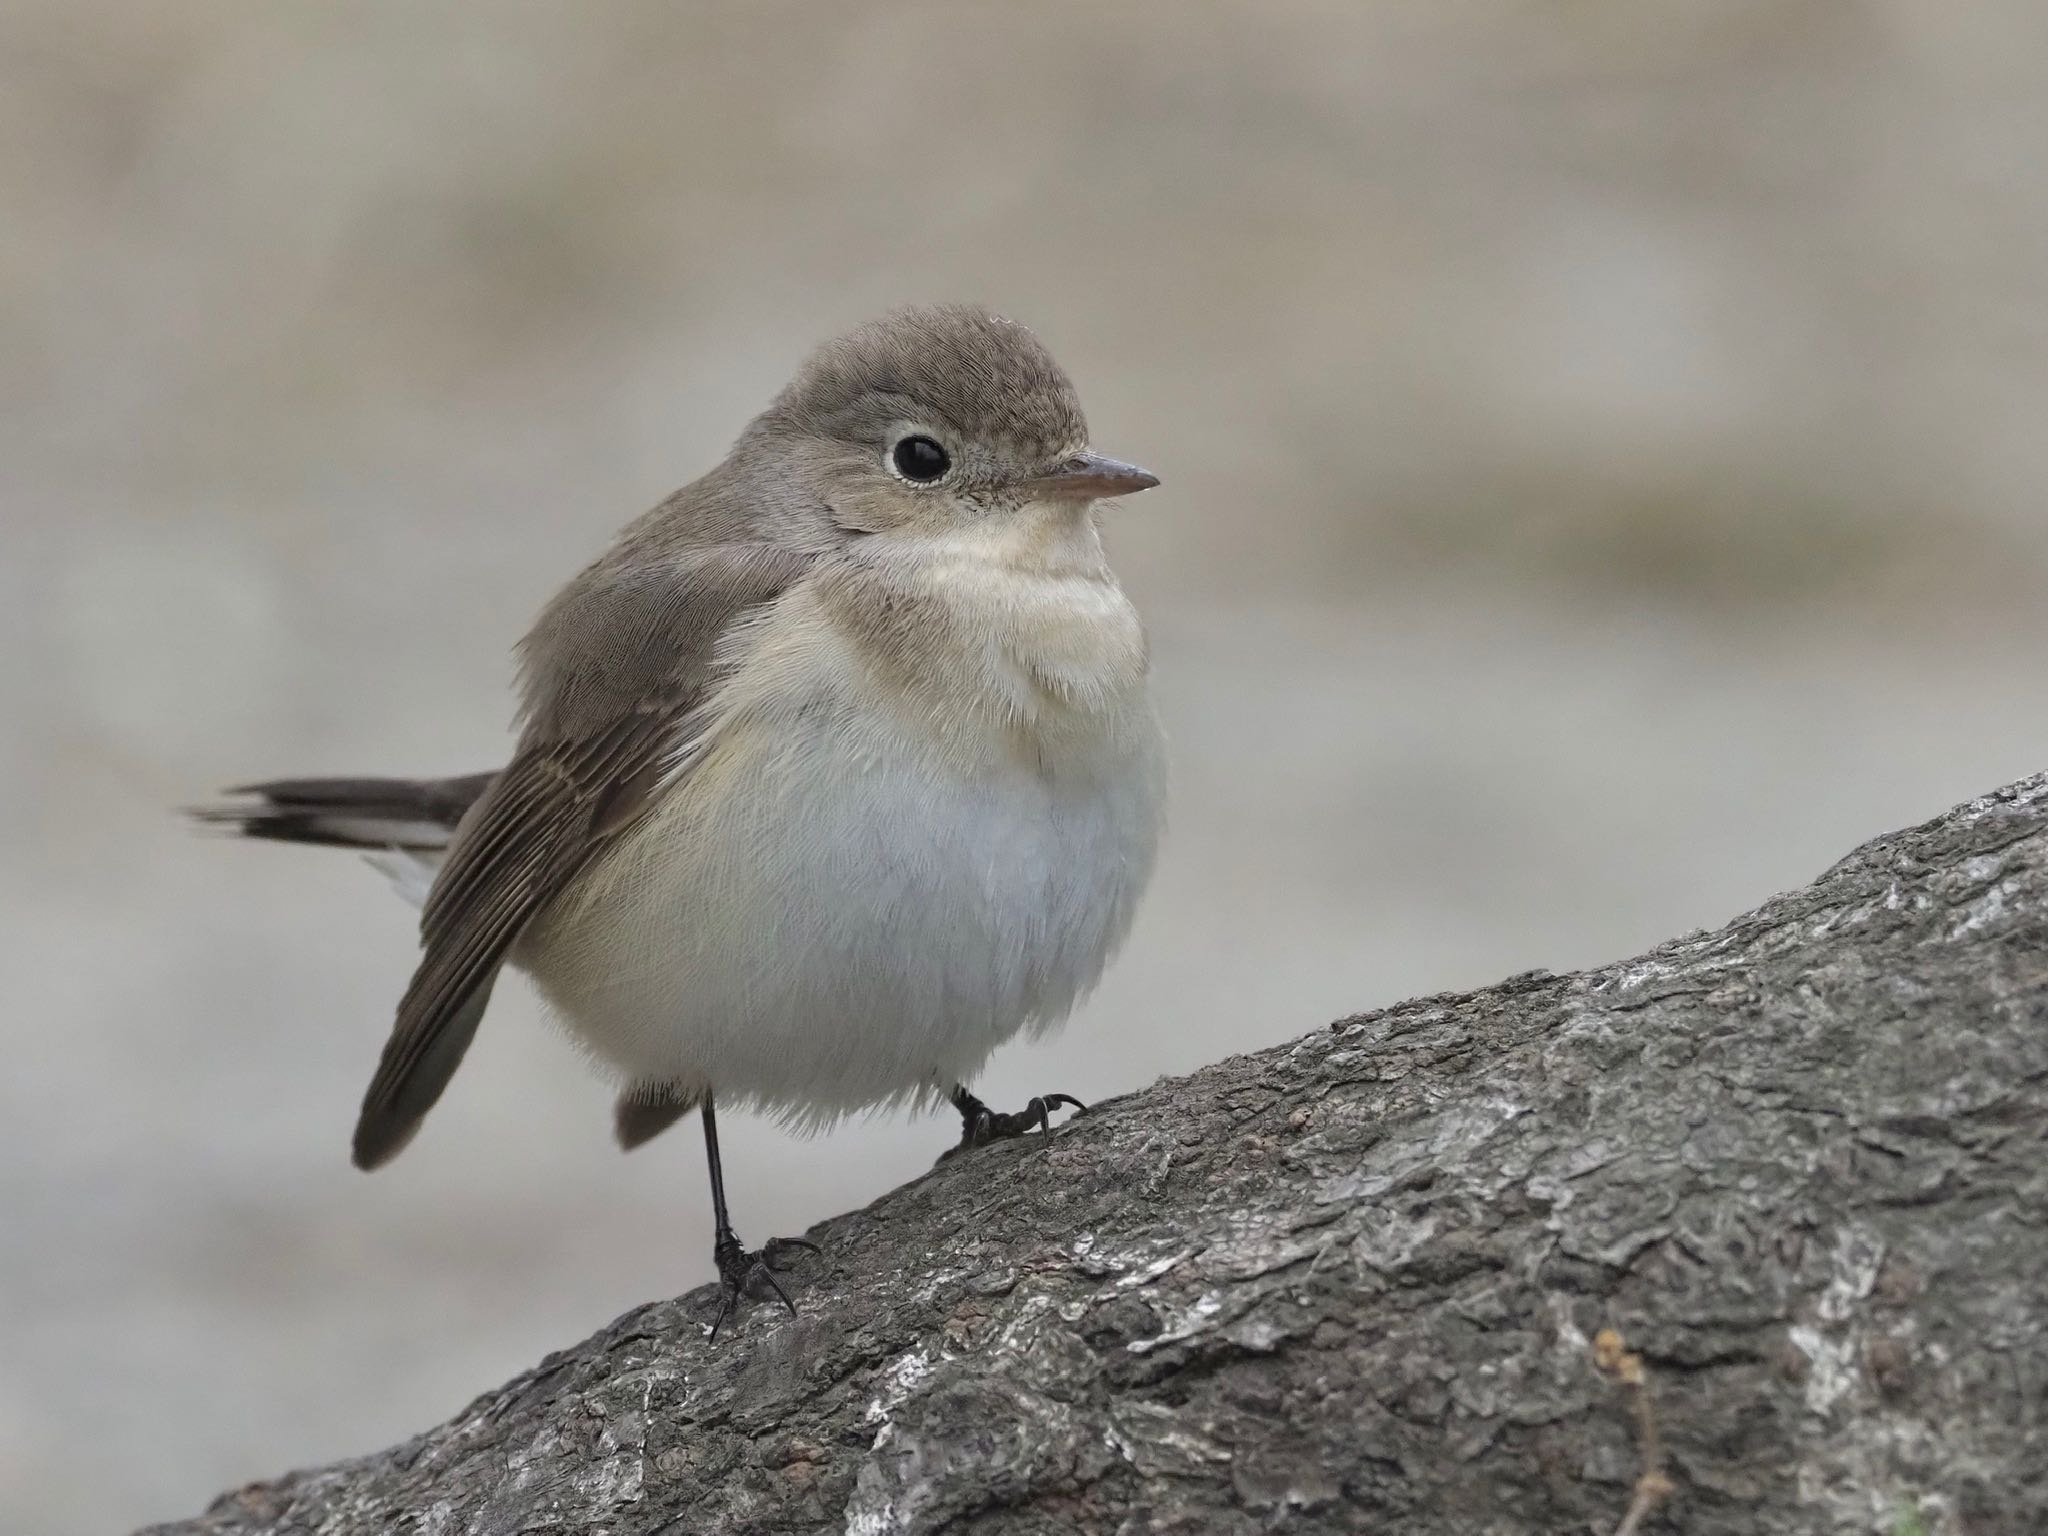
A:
{"x":403,"y":825}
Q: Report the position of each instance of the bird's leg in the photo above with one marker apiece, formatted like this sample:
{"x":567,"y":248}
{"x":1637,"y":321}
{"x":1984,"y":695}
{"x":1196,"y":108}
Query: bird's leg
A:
{"x":980,"y":1125}
{"x":737,"y":1267}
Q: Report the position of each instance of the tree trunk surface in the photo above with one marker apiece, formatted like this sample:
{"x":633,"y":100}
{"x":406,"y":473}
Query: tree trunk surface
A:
{"x":1746,"y":1235}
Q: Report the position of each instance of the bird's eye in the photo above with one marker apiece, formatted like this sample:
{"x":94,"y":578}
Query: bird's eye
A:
{"x":920,"y":459}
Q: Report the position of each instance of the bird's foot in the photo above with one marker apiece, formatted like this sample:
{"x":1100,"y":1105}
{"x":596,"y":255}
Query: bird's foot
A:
{"x":741,"y":1272}
{"x":980,"y":1125}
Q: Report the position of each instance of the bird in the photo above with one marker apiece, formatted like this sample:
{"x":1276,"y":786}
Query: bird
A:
{"x":837,"y":770}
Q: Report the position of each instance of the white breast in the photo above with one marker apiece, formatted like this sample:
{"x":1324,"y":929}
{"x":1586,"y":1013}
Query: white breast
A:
{"x":858,"y":891}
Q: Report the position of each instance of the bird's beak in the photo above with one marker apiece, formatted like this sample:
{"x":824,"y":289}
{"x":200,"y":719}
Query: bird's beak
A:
{"x":1087,"y":476}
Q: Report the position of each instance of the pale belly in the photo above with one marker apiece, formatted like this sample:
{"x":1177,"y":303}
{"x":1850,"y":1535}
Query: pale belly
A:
{"x":820,"y":917}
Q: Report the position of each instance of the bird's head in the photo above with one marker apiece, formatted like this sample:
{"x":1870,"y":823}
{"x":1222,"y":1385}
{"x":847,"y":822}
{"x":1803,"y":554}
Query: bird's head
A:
{"x":938,"y":417}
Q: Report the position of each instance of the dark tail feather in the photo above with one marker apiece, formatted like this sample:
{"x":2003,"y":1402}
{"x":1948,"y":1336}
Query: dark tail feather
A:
{"x":644,"y":1112}
{"x":418,"y":815}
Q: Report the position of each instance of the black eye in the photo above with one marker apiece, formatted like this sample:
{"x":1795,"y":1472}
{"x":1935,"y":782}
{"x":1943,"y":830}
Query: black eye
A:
{"x":920,"y":459}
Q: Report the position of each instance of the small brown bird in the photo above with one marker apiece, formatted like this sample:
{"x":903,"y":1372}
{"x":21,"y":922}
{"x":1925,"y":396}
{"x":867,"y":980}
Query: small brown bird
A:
{"x":835,"y":772}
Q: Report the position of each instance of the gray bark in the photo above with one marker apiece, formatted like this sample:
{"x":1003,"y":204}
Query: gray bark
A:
{"x":1353,"y":1283}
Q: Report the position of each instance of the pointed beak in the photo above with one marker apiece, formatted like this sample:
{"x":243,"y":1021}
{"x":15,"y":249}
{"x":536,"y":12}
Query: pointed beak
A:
{"x":1087,"y":476}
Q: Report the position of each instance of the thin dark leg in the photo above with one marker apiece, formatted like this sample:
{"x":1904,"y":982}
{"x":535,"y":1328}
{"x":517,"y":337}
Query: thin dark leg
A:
{"x":722,"y":1222}
{"x":980,"y":1125}
{"x":736,"y":1266}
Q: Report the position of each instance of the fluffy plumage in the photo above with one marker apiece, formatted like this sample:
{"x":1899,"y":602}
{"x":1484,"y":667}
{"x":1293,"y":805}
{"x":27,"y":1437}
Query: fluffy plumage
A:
{"x":827,"y":783}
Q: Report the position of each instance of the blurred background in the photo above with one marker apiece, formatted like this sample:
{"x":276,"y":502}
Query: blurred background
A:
{"x":1604,"y":452}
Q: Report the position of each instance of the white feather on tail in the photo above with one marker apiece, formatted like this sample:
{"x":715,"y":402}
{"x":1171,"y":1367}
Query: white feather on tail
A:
{"x":411,"y":873}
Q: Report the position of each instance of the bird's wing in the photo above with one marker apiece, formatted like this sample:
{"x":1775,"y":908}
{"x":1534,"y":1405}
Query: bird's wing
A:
{"x":610,"y":714}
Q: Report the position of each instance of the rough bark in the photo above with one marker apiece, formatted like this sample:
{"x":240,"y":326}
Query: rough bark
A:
{"x":1355,"y":1282}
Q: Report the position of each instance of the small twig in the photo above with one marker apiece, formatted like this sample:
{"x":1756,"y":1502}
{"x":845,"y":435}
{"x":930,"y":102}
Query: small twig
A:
{"x":1613,"y":1358}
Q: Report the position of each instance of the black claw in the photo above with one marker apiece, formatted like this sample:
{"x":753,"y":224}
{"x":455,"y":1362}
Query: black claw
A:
{"x":980,"y":1125}
{"x":775,"y":1285}
{"x":739,"y":1271}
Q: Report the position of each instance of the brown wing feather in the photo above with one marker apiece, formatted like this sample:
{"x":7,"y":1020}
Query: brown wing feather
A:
{"x":573,"y":787}
{"x":552,"y":811}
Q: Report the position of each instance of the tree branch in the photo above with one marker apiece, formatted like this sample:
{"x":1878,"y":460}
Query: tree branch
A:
{"x":1352,"y":1283}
